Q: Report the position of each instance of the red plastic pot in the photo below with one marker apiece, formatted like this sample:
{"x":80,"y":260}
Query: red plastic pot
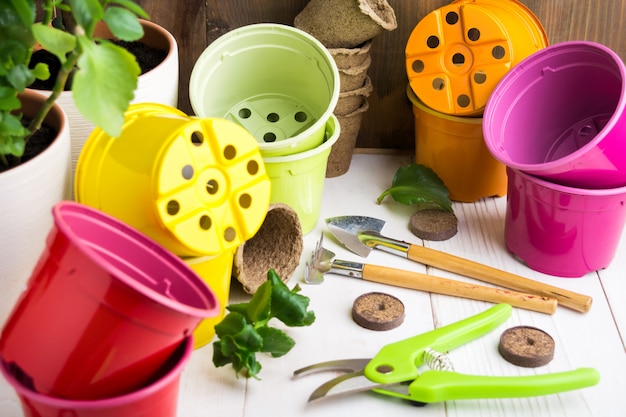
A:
{"x":158,"y":398}
{"x":104,"y":308}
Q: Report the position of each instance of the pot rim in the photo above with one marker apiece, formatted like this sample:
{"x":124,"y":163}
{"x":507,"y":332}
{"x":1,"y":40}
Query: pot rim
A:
{"x":121,"y":400}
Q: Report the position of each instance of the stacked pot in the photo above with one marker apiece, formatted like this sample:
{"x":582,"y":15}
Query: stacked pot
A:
{"x":552,"y":136}
{"x":104,"y":326}
{"x":557,"y":121}
{"x":281,"y":85}
{"x":197,"y":186}
{"x":455,"y":56}
{"x":346,"y":28}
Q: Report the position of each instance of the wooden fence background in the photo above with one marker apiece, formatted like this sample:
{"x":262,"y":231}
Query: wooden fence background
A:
{"x":389,"y":121}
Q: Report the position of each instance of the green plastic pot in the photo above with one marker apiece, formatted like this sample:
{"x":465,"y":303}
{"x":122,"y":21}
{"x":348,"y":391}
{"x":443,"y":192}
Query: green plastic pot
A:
{"x":278,"y":82}
{"x":298,"y":180}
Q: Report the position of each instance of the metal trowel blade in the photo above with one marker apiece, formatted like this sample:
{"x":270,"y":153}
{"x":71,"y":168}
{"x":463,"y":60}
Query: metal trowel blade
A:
{"x":346,"y":230}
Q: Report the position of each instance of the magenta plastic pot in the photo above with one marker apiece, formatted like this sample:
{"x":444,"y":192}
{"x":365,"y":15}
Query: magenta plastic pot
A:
{"x":559,"y":114}
{"x":103,"y":310}
{"x":560,"y":230}
{"x":158,"y":398}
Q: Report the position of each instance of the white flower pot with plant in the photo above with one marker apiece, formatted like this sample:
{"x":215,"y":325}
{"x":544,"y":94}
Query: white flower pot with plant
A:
{"x":157,"y":83}
{"x":28,"y":195}
{"x":29,"y":191}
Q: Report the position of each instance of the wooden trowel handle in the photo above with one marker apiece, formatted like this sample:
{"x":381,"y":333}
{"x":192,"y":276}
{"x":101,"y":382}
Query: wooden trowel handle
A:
{"x":423,"y":282}
{"x":447,"y":262}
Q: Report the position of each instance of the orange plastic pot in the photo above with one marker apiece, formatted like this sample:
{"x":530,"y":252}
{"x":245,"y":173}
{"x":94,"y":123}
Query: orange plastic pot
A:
{"x":457,"y":54}
{"x":454,"y":148}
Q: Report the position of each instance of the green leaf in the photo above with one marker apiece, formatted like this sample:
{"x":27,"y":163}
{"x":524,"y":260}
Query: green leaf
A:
{"x":239,"y":350}
{"x":259,"y":306}
{"x":233,"y":323}
{"x":133,"y":7}
{"x":241,"y":308}
{"x":87,"y":14}
{"x":225,"y":351}
{"x":275,"y":341}
{"x":25,"y":10}
{"x":11,"y":146}
{"x":252,"y":366}
{"x":41,"y":71}
{"x":245,"y":331}
{"x":20,"y":77}
{"x":219,"y":357}
{"x":415,"y":184}
{"x":104,"y":84}
{"x":55,"y":41}
{"x":12,"y":135}
{"x":11,"y":125}
{"x":288,"y":306}
{"x":123,"y":24}
{"x":8,"y":101}
{"x":16,"y":18}
{"x":248,"y":339}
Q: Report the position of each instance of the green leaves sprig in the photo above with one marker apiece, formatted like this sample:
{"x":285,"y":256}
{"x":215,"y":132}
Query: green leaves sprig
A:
{"x":245,"y":330}
{"x":106,"y":74}
{"x":418,"y":184}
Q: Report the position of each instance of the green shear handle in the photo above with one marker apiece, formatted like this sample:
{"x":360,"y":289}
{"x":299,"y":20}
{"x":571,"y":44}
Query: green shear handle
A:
{"x":398,"y":361}
{"x":434,"y":386}
{"x":397,"y":364}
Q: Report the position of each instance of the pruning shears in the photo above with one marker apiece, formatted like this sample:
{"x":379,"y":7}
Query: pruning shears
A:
{"x":394,"y":369}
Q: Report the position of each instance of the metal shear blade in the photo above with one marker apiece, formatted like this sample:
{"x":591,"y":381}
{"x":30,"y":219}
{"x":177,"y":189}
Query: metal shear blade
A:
{"x":352,"y":381}
{"x":340,"y":365}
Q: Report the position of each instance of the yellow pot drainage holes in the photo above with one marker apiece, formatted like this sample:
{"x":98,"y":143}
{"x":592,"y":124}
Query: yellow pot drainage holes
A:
{"x":197,"y":186}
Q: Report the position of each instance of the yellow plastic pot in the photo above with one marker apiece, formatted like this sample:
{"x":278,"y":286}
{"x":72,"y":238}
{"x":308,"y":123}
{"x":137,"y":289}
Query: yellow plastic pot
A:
{"x":216,"y":272}
{"x":454,"y":148}
{"x":196,"y":186}
{"x":457,"y":54}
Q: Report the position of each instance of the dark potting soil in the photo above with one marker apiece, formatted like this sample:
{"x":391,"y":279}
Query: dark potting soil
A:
{"x":37,"y":143}
{"x":147,"y":58}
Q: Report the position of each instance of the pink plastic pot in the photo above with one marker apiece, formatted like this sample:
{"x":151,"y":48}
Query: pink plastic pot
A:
{"x":559,"y":114}
{"x":158,"y":398}
{"x":104,"y":308}
{"x":560,"y":230}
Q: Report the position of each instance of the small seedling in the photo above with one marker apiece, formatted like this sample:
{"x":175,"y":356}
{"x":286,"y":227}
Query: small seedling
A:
{"x":245,"y":330}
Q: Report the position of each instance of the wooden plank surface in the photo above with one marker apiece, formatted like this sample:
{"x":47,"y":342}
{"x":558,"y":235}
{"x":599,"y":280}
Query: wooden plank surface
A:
{"x":389,"y":121}
{"x":582,"y":340}
{"x":594,"y":339}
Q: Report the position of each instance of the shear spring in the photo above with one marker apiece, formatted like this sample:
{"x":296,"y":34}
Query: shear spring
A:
{"x":437,"y":361}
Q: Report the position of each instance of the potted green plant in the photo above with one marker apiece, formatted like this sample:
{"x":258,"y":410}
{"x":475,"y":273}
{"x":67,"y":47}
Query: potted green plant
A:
{"x":156,"y":52}
{"x":29,"y":185}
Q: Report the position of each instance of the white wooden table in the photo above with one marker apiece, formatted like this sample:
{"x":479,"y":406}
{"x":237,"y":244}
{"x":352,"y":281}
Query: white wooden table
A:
{"x":594,"y":339}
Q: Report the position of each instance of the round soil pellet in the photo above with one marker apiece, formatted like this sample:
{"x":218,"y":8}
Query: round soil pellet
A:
{"x":526,"y":346}
{"x":378,"y":311}
{"x":433,"y":224}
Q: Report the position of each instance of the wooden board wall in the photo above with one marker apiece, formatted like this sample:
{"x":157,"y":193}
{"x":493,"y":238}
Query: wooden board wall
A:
{"x":389,"y":121}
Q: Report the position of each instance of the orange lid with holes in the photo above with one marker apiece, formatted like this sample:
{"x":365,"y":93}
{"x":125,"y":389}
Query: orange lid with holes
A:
{"x":457,"y":54}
